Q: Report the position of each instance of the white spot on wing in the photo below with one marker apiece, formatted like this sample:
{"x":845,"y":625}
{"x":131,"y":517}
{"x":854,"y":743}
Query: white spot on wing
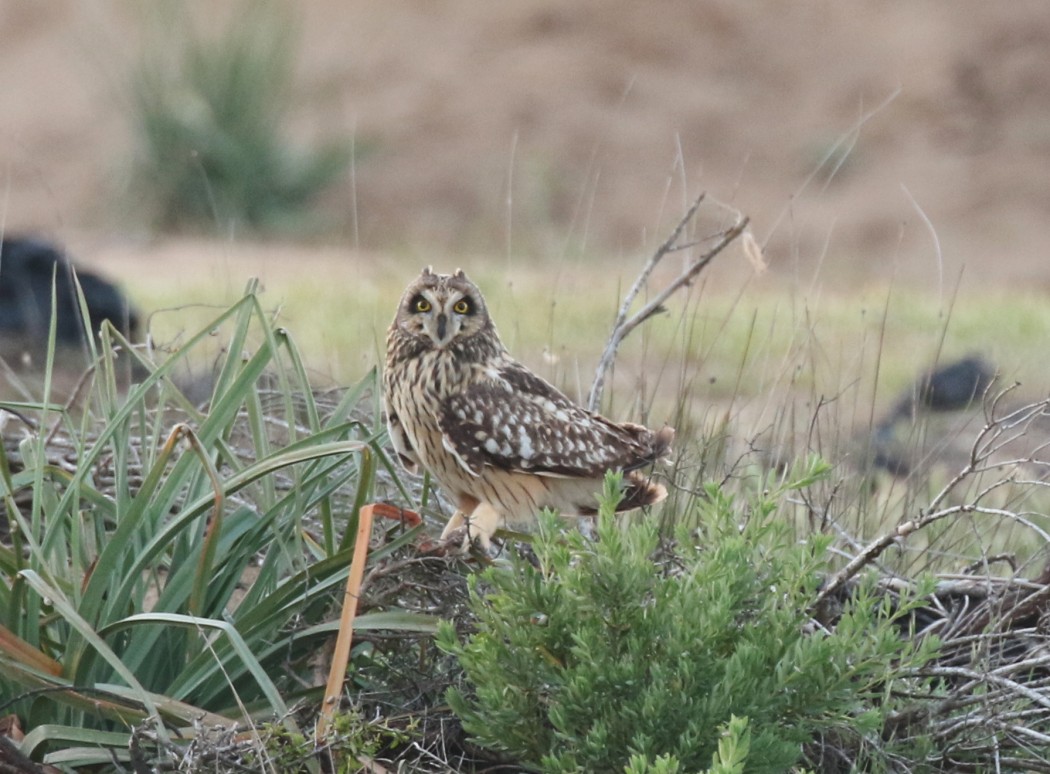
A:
{"x":525,"y":446}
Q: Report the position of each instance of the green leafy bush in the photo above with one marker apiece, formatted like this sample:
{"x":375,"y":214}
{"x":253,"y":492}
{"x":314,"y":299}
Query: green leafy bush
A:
{"x":617,"y":652}
{"x":209,"y":111}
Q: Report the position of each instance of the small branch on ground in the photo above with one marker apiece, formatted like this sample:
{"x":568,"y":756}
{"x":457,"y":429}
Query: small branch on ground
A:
{"x":624,"y":324}
{"x":997,"y":433}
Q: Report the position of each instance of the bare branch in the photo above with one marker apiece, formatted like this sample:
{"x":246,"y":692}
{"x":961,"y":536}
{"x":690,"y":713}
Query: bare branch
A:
{"x":623,"y":324}
{"x":989,"y":441}
{"x":991,"y":678}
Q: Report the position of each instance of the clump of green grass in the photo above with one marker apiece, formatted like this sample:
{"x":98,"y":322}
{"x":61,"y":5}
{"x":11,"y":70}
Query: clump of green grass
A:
{"x":743,"y":640}
{"x":172,"y":564}
{"x":209,"y":113}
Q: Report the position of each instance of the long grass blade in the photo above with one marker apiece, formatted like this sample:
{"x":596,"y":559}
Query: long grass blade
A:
{"x":68,"y":612}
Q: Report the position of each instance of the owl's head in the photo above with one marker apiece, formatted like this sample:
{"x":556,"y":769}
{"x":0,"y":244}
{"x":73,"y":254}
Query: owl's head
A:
{"x":440,"y":309}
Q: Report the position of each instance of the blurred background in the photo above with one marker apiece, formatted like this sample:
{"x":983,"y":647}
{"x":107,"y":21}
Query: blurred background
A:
{"x":881,"y":149}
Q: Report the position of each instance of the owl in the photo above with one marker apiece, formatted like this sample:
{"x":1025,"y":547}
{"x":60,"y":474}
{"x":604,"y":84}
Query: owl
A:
{"x":500,"y":441}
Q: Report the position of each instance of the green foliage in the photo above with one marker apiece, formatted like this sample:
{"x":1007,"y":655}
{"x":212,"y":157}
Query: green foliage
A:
{"x":617,"y":652}
{"x":351,"y":738}
{"x":733,"y":747}
{"x":209,"y":110}
{"x":664,"y":764}
{"x":170,"y":565}
{"x":730,"y":757}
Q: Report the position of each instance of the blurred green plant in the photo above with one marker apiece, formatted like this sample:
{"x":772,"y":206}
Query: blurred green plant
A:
{"x":171,"y":566}
{"x":208,"y":111}
{"x":632,"y":652}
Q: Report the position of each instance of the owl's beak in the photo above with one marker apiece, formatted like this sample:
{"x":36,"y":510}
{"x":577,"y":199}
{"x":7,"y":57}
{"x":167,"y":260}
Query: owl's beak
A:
{"x":442,"y":327}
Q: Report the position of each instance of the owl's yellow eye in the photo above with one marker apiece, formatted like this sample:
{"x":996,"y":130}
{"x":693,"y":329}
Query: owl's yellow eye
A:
{"x":462,"y":307}
{"x":421,"y":305}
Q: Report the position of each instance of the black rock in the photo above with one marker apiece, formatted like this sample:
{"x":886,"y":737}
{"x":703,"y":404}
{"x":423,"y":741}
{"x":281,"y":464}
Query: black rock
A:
{"x":956,"y":385}
{"x":28,"y":267}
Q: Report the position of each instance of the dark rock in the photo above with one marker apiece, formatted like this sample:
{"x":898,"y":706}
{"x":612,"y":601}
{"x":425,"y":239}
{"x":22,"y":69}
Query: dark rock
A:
{"x":28,"y":270}
{"x":954,"y":386}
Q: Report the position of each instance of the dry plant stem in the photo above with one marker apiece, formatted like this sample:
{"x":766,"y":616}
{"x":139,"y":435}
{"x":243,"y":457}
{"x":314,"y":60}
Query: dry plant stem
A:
{"x":623,"y":324}
{"x":341,"y":656}
{"x":986,"y":443}
{"x":875,"y":548}
{"x":992,"y":678}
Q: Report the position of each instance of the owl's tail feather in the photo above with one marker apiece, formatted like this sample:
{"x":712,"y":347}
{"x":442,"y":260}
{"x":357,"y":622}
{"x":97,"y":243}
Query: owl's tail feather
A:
{"x":638,"y":490}
{"x":656,"y":445}
{"x":662,"y":440}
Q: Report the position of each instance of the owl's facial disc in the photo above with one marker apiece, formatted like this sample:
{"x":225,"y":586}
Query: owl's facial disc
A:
{"x":439,"y":316}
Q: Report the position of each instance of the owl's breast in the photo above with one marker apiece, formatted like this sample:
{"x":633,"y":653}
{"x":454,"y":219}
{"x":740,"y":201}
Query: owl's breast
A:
{"x":415,"y":391}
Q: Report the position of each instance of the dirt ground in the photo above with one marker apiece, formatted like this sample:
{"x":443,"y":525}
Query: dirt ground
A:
{"x":516,"y":130}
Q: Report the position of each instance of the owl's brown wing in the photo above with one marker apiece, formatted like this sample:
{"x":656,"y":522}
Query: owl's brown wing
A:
{"x":518,"y":422}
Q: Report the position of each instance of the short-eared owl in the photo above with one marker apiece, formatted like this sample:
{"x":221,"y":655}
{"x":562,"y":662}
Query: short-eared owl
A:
{"x":501,"y":441}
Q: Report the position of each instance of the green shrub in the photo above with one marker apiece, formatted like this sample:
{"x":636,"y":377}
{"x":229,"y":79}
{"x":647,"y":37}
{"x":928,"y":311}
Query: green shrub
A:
{"x":617,"y":652}
{"x":208,"y":112}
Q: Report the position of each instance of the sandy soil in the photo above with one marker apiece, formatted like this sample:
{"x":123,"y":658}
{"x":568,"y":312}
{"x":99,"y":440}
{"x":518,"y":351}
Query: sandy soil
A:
{"x":519,"y":129}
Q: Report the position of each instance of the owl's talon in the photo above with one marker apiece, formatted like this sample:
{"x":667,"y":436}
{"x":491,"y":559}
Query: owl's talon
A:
{"x":455,"y":537}
{"x":462,"y":539}
{"x":469,"y":529}
{"x":456,"y":542}
{"x":479,"y":538}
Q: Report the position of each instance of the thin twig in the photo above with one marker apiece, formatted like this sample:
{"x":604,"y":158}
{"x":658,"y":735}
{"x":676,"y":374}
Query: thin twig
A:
{"x":989,"y":678}
{"x":983,"y":447}
{"x":623,"y":324}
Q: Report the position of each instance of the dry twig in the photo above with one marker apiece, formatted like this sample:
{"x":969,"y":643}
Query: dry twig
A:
{"x":623,"y":324}
{"x":996,"y":434}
